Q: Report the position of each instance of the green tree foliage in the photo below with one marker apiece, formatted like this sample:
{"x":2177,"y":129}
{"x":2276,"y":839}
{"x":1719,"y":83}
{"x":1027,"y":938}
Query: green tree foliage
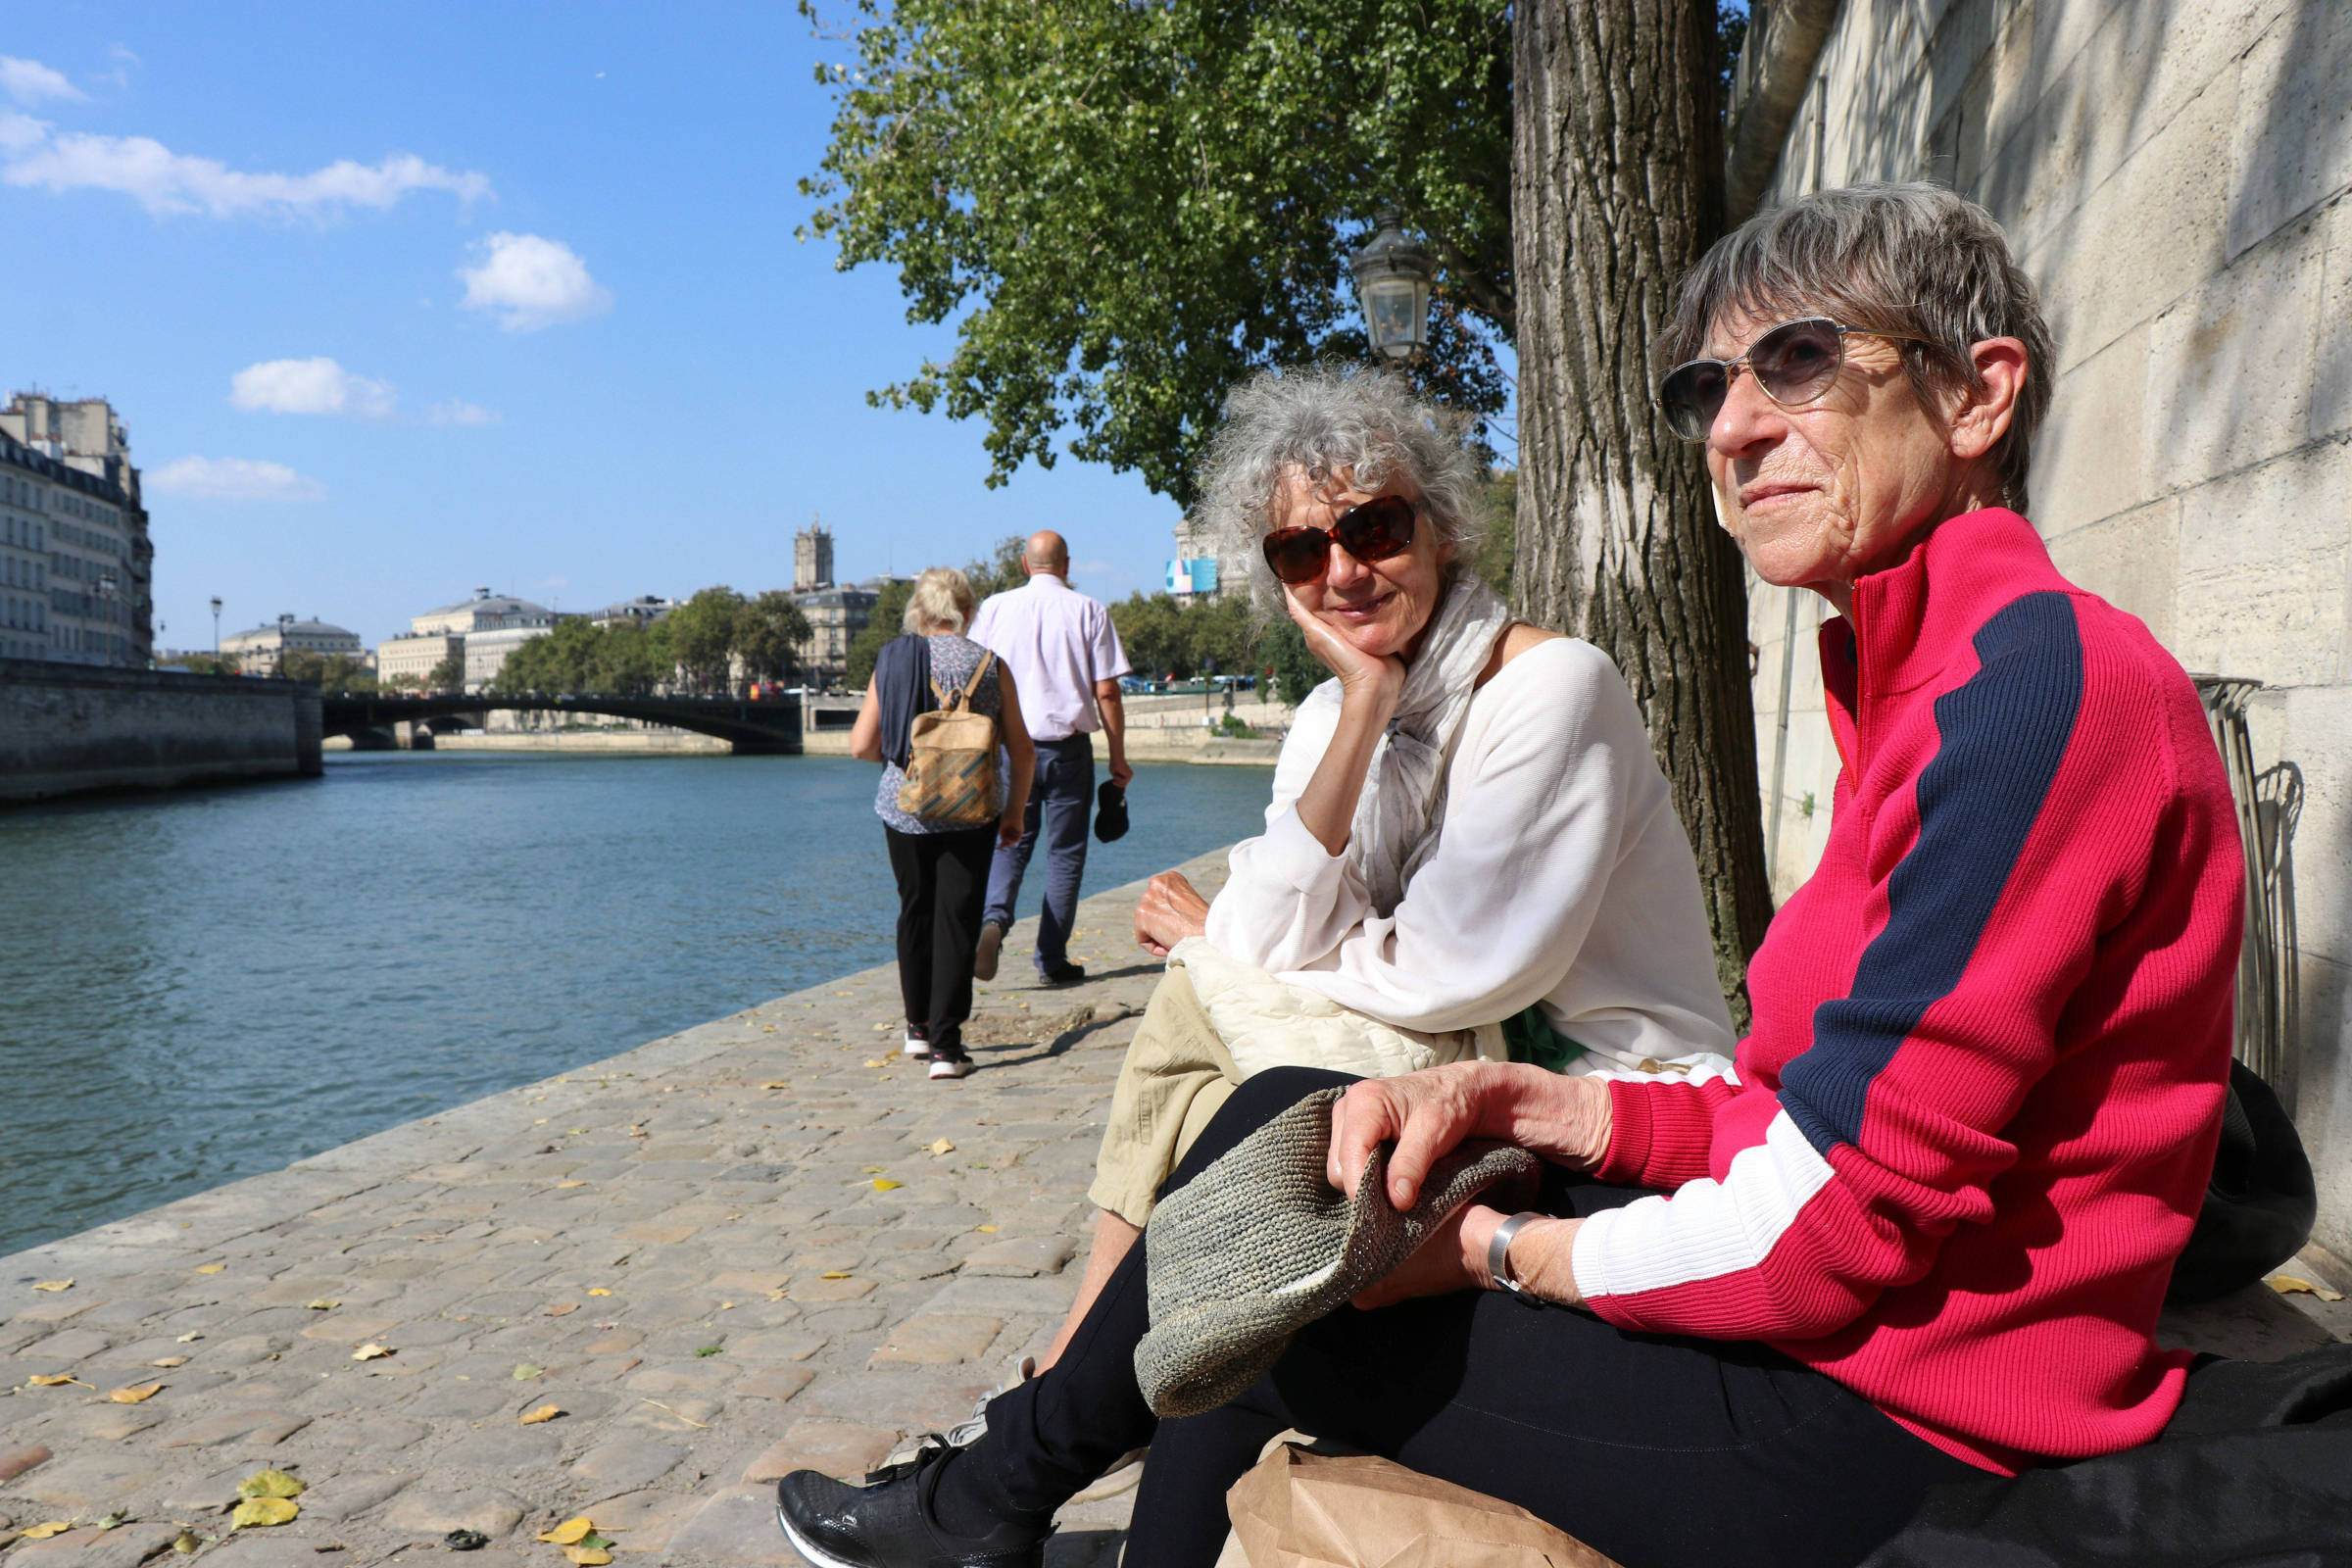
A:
{"x":210,"y":663}
{"x":768,"y":634}
{"x":329,"y":673}
{"x":999,"y":575}
{"x":446,"y":676}
{"x":578,"y":657}
{"x":882,"y":623}
{"x":1296,"y":671}
{"x":1125,"y":209}
{"x":1164,"y":638}
{"x":702,"y":633}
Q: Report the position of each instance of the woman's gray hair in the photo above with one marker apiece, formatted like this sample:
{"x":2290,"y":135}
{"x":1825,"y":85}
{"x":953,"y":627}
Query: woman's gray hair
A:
{"x":942,"y":596}
{"x":1913,"y":258}
{"x":1318,"y":420}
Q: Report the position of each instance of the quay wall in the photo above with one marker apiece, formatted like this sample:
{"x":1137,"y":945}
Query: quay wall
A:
{"x":2174,"y":176}
{"x":66,"y":729}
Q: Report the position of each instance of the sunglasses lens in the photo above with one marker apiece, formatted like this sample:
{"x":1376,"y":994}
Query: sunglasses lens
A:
{"x":1796,"y":362}
{"x":1297,"y":555}
{"x":1692,"y":395}
{"x":1378,"y":529}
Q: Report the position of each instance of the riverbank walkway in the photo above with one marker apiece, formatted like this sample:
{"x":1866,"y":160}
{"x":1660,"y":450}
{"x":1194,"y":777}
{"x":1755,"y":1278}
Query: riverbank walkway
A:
{"x":764,"y":1244}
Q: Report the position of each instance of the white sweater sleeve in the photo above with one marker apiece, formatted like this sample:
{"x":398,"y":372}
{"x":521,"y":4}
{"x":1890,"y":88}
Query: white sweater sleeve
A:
{"x":1552,"y":765}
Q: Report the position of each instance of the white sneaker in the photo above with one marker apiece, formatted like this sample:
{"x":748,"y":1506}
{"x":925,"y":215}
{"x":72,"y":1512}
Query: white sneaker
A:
{"x":916,"y":1048}
{"x":951,"y":1066}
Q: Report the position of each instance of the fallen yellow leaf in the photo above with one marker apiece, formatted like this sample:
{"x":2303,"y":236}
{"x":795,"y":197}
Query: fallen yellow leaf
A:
{"x":562,"y":1309}
{"x":775,"y":1085}
{"x":371,"y":1351}
{"x":588,"y":1556}
{"x":54,"y":1284}
{"x":2289,"y":1285}
{"x":169,"y":1360}
{"x":322,"y":1305}
{"x":210,"y":1268}
{"x":636,"y":1132}
{"x":883,"y":1184}
{"x":42,"y":1532}
{"x":136,"y":1393}
{"x":943,"y":1147}
{"x":598,"y":1290}
{"x":546,"y":1412}
{"x":189,"y":1339}
{"x":569,"y":1532}
{"x":562,"y":1184}
{"x":261,"y":1511}
{"x":50,"y":1379}
{"x":187,"y":1543}
{"x":726,"y":1307}
{"x":272,"y":1483}
{"x":834,"y":1274}
{"x":774,"y":1296}
{"x":870,"y":1062}
{"x":987,"y":1230}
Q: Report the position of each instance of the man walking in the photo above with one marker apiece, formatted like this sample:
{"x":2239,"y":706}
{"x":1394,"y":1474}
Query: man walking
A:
{"x":1067,"y":661}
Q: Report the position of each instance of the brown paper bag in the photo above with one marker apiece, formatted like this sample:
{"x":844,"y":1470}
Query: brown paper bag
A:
{"x":1309,"y":1511}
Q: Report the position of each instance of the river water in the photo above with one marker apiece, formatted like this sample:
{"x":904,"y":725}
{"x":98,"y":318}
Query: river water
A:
{"x":202,"y":986}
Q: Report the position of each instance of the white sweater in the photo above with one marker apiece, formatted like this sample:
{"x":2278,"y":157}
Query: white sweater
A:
{"x":1561,"y":876}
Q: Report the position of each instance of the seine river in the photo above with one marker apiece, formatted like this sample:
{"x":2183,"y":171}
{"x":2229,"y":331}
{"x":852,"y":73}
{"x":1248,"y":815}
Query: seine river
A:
{"x":203,"y":986}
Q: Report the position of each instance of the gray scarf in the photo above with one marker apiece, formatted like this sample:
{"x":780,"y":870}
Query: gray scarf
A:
{"x":1404,"y":802}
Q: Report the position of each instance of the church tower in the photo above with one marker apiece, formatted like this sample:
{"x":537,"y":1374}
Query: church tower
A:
{"x":811,"y":558}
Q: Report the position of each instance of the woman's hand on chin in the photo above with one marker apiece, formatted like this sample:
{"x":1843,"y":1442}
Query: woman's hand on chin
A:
{"x":1171,"y":910}
{"x":1361,"y":675}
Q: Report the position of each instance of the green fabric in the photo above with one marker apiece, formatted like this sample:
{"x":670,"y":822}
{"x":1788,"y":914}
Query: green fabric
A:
{"x":1532,"y":1038}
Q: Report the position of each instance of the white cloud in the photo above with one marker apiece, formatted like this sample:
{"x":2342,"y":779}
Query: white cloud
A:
{"x":165,"y":182}
{"x":457,"y":411}
{"x":234,"y":479}
{"x":310,"y":386}
{"x":531,"y":282}
{"x":28,"y":81}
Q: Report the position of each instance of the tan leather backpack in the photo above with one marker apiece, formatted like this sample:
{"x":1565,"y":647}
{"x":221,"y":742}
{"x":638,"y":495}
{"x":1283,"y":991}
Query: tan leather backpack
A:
{"x":951,"y":760}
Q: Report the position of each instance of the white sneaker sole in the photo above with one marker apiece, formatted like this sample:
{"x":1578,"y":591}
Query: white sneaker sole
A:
{"x":808,"y":1549}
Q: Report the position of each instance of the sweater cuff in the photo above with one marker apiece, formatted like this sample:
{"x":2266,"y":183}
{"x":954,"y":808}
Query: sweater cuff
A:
{"x":1659,"y":1134}
{"x":1630,"y":1128}
{"x":1291,"y":854}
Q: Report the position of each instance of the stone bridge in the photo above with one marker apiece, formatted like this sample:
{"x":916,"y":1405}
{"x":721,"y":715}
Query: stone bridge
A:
{"x":751,"y":727}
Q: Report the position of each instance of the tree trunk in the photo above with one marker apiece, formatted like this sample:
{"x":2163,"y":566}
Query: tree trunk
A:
{"x":1616,"y":192}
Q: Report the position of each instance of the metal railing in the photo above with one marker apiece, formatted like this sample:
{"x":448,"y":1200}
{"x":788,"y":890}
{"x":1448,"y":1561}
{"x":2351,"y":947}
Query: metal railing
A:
{"x":2269,"y":802}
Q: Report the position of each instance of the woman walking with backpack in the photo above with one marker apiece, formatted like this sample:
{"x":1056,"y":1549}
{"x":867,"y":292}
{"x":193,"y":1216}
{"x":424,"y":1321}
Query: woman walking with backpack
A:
{"x":934,"y":714}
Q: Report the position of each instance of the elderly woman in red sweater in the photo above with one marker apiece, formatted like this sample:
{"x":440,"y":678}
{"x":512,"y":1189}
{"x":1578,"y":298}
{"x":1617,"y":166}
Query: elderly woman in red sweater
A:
{"x":1925,"y":1232}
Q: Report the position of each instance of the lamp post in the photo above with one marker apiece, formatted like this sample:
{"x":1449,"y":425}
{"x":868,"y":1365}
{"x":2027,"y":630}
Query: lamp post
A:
{"x":1393,"y":275}
{"x":216,"y":625}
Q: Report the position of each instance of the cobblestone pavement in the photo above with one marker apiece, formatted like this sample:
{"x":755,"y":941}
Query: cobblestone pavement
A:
{"x":764,"y":1244}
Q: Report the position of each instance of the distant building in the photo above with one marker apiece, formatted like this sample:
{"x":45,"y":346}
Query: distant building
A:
{"x":76,"y":566}
{"x":473,"y":631}
{"x":263,"y":650}
{"x":812,"y":558}
{"x":1198,"y":574}
{"x":836,"y":614}
{"x":642,"y":610}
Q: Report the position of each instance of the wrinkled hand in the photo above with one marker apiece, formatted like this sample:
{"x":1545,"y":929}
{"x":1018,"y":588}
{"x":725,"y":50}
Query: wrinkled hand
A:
{"x":1425,"y":1114}
{"x":1361,"y":675}
{"x":1171,"y":910}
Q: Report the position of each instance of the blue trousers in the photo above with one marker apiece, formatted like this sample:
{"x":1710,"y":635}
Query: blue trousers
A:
{"x":1061,"y":802}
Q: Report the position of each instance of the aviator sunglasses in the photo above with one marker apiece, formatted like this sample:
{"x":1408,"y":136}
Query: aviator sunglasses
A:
{"x":1795,"y":363}
{"x":1381,"y":527}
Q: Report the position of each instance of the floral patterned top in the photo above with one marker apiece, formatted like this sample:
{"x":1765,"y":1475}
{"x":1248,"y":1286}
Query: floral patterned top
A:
{"x":954,"y":659}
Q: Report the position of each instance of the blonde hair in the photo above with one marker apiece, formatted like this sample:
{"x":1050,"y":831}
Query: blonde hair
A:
{"x":942,"y":596}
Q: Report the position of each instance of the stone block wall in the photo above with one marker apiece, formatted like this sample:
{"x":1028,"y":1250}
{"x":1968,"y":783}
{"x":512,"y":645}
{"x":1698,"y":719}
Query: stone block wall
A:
{"x":69,"y":728}
{"x":2173,"y":175}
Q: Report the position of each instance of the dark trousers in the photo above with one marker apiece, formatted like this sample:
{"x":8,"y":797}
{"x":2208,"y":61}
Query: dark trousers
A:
{"x":1060,"y":799}
{"x":943,"y":878}
{"x":1660,"y":1451}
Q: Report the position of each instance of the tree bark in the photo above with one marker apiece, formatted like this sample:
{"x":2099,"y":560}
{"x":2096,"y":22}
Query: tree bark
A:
{"x":1616,"y":192}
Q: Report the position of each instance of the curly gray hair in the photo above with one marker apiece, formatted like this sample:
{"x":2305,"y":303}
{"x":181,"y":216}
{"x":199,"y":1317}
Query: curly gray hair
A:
{"x":1912,"y":258}
{"x":1320,"y":420}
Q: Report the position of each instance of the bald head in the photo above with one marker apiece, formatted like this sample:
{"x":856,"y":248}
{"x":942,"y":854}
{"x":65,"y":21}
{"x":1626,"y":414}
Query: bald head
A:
{"x":1047,"y":553}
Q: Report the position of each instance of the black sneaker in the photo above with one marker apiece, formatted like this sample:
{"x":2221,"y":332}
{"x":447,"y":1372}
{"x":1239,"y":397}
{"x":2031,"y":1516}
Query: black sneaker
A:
{"x":886,"y":1523}
{"x":1069,"y":974}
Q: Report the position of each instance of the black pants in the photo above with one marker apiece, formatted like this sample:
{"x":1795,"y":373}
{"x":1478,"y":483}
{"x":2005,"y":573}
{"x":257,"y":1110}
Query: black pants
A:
{"x":1659,"y":1451}
{"x":943,"y":880}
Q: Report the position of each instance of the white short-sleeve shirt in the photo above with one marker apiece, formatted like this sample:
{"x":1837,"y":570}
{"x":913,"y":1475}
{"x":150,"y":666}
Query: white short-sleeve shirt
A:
{"x":1058,"y":642}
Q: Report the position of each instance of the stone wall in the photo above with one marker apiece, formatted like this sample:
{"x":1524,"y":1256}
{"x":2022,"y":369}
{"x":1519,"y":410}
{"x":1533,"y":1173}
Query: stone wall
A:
{"x":2173,"y":175}
{"x":67,"y":728}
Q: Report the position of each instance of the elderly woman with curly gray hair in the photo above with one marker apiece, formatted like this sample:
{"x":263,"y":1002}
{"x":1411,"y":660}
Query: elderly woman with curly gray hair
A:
{"x":1924,"y":1232}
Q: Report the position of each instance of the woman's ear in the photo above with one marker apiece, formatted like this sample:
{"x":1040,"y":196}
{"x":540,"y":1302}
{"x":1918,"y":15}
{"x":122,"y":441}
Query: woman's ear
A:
{"x":1980,"y":419}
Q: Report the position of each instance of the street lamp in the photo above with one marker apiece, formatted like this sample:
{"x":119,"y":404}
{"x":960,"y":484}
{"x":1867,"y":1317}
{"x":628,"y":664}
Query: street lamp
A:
{"x":1392,"y":274}
{"x":216,"y":625}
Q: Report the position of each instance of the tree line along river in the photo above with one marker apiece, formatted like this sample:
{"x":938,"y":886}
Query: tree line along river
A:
{"x":203,"y":986}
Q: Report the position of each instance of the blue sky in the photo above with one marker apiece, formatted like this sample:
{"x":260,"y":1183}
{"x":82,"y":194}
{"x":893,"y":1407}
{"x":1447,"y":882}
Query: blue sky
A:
{"x":396,"y":301}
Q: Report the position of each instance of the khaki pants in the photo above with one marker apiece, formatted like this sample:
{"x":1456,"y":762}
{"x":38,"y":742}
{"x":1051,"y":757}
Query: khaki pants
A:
{"x":1177,"y":1075}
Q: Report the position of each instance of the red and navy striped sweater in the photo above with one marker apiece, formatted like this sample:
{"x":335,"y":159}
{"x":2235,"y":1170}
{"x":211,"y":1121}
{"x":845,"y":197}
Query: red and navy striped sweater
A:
{"x":1978,"y":1108}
